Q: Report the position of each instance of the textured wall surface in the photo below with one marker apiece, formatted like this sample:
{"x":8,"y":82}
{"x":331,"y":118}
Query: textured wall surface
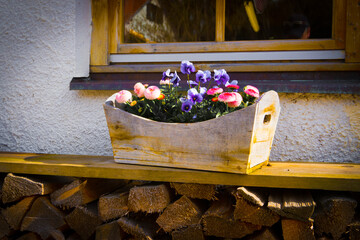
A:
{"x":43,"y":45}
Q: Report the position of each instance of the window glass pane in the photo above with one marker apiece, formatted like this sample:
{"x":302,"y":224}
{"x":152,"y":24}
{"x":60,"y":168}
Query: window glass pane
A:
{"x":277,"y":19}
{"x":161,"y":21}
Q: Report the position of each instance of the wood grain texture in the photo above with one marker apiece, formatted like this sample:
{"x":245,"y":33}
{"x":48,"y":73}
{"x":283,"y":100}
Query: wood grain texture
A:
{"x":353,"y":31}
{"x":305,"y":175}
{"x":220,"y":21}
{"x":99,"y":37}
{"x":239,"y":148}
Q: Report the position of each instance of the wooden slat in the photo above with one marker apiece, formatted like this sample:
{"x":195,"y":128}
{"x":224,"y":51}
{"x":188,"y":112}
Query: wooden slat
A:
{"x":113,"y":11}
{"x":353,"y":31}
{"x":339,"y":23}
{"x":230,"y":46}
{"x":327,"y":176}
{"x":99,"y":35}
{"x":233,"y":67}
{"x":220,"y":21}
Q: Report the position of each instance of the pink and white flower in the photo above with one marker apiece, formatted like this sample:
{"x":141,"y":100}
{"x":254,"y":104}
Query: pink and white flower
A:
{"x":214,"y":90}
{"x":227,"y":97}
{"x":139,"y":89}
{"x":152,"y":92}
{"x":123,"y":96}
{"x":237,"y":102}
{"x":252,"y":91}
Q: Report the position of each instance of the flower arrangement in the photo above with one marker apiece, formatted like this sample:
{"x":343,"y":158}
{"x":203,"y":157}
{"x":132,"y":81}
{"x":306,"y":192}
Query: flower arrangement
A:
{"x":209,"y":96}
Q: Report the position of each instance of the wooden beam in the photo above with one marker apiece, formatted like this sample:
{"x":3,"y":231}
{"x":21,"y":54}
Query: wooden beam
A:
{"x":327,"y":176}
{"x":113,"y":16}
{"x":231,"y":46}
{"x":99,"y":36}
{"x":339,"y":23}
{"x":353,"y":31}
{"x":220,"y":21}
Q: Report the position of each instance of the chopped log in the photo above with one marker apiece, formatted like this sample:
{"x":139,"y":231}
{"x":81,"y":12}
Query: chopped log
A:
{"x":195,"y":190}
{"x":257,"y":196}
{"x":84,"y":220}
{"x":4,"y":227}
{"x":354,"y":230}
{"x":298,"y":205}
{"x":110,"y":231}
{"x":43,"y":218}
{"x":73,"y":236}
{"x":333,"y":215}
{"x":57,"y":235}
{"x":264,"y":234}
{"x":251,"y":213}
{"x":297,"y":230}
{"x":81,"y":192}
{"x":29,"y":236}
{"x":219,"y":220}
{"x":190,"y":232}
{"x":15,"y":214}
{"x":17,"y":187}
{"x":181,"y":213}
{"x":114,"y":205}
{"x":275,"y":202}
{"x":140,"y":229}
{"x":150,"y":199}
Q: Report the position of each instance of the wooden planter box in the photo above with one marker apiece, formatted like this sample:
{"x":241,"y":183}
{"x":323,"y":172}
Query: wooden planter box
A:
{"x":238,"y":142}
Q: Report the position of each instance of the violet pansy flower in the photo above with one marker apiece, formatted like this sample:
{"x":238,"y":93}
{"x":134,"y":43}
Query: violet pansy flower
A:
{"x":187,"y":67}
{"x":167,"y":75}
{"x":194,"y":95}
{"x":175,"y":80}
{"x":221,"y":76}
{"x":186,"y":105}
{"x":203,"y":76}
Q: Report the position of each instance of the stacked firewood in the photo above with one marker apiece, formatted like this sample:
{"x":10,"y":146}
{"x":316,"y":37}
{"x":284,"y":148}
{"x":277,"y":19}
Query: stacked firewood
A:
{"x":44,"y":207}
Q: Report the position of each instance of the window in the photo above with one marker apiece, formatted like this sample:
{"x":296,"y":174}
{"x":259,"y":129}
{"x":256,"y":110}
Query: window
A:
{"x":271,"y":42}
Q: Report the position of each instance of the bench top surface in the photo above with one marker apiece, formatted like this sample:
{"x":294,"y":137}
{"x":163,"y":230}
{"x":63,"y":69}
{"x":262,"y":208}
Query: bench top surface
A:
{"x":326,"y":176}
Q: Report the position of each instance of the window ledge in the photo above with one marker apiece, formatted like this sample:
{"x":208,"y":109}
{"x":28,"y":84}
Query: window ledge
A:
{"x":326,"y":176}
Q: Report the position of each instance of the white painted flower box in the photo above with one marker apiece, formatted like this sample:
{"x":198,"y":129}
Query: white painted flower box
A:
{"x":238,"y":142}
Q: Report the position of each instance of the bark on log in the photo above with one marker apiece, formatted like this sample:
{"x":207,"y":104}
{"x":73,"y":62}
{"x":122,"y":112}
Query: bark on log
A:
{"x":181,"y":213}
{"x":4,"y":227}
{"x":17,"y":187}
{"x":114,"y":205}
{"x":150,"y":199}
{"x":83,"y":191}
{"x":29,"y":236}
{"x":248,"y":212}
{"x":219,"y":220}
{"x":15,"y":214}
{"x":140,"y":229}
{"x":110,"y":231}
{"x":84,"y":220}
{"x":43,"y":218}
{"x":333,"y":215}
{"x":298,"y":204}
{"x":257,"y":196}
{"x":195,"y":190}
{"x":297,"y":230}
{"x":354,"y":230}
{"x":264,"y":234}
{"x":190,"y":232}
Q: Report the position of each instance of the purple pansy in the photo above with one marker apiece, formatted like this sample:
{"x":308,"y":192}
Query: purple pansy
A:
{"x":186,"y":105}
{"x":187,"y":67}
{"x":202,"y":76}
{"x":167,"y":75}
{"x":221,"y":76}
{"x":175,"y":80}
{"x":192,"y":83}
{"x":203,"y":91}
{"x":194,"y":95}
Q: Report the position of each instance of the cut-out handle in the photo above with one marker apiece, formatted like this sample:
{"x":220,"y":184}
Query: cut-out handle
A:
{"x":267,"y":119}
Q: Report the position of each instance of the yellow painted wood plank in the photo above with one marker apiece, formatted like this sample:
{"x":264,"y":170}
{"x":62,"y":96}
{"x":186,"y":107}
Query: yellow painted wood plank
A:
{"x":327,"y":176}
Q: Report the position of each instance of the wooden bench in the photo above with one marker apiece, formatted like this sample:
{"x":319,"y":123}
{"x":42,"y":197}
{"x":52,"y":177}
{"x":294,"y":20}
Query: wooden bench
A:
{"x":326,"y":176}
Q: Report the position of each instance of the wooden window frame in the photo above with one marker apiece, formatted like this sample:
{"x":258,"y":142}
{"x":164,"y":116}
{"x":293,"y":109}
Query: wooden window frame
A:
{"x":107,"y":43}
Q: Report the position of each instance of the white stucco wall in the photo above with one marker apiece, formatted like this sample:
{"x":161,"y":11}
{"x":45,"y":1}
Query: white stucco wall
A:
{"x":44,"y":44}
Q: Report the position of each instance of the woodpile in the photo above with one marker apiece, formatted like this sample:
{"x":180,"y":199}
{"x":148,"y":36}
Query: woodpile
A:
{"x":44,"y":207}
